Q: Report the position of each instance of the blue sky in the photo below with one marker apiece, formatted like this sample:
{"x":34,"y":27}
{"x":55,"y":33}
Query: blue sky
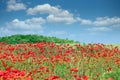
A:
{"x":96,"y":21}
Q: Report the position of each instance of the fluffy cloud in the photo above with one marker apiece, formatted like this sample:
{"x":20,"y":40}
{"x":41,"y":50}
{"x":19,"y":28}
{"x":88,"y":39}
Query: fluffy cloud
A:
{"x":99,"y":29}
{"x":84,"y":21}
{"x":56,"y":19}
{"x":34,"y":24}
{"x":12,"y":5}
{"x":45,"y":8}
{"x":106,"y":21}
{"x":58,"y":15}
{"x":28,"y":26}
{"x":55,"y":14}
{"x":101,"y":21}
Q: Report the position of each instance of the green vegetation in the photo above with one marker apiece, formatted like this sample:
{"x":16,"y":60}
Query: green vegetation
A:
{"x":15,"y":39}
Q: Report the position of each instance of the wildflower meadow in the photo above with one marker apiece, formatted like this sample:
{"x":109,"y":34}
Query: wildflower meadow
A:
{"x":51,"y":61}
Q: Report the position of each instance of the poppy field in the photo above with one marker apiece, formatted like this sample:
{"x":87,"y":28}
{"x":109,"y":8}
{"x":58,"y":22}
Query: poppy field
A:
{"x":51,"y":61}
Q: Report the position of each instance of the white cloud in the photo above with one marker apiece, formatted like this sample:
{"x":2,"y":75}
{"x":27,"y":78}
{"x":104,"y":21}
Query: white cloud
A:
{"x":12,"y":5}
{"x":56,"y":19}
{"x":45,"y":8}
{"x":84,"y":21}
{"x":55,"y":14}
{"x":101,"y":21}
{"x":58,"y":15}
{"x":28,"y":26}
{"x":99,"y":29}
{"x":106,"y":21}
